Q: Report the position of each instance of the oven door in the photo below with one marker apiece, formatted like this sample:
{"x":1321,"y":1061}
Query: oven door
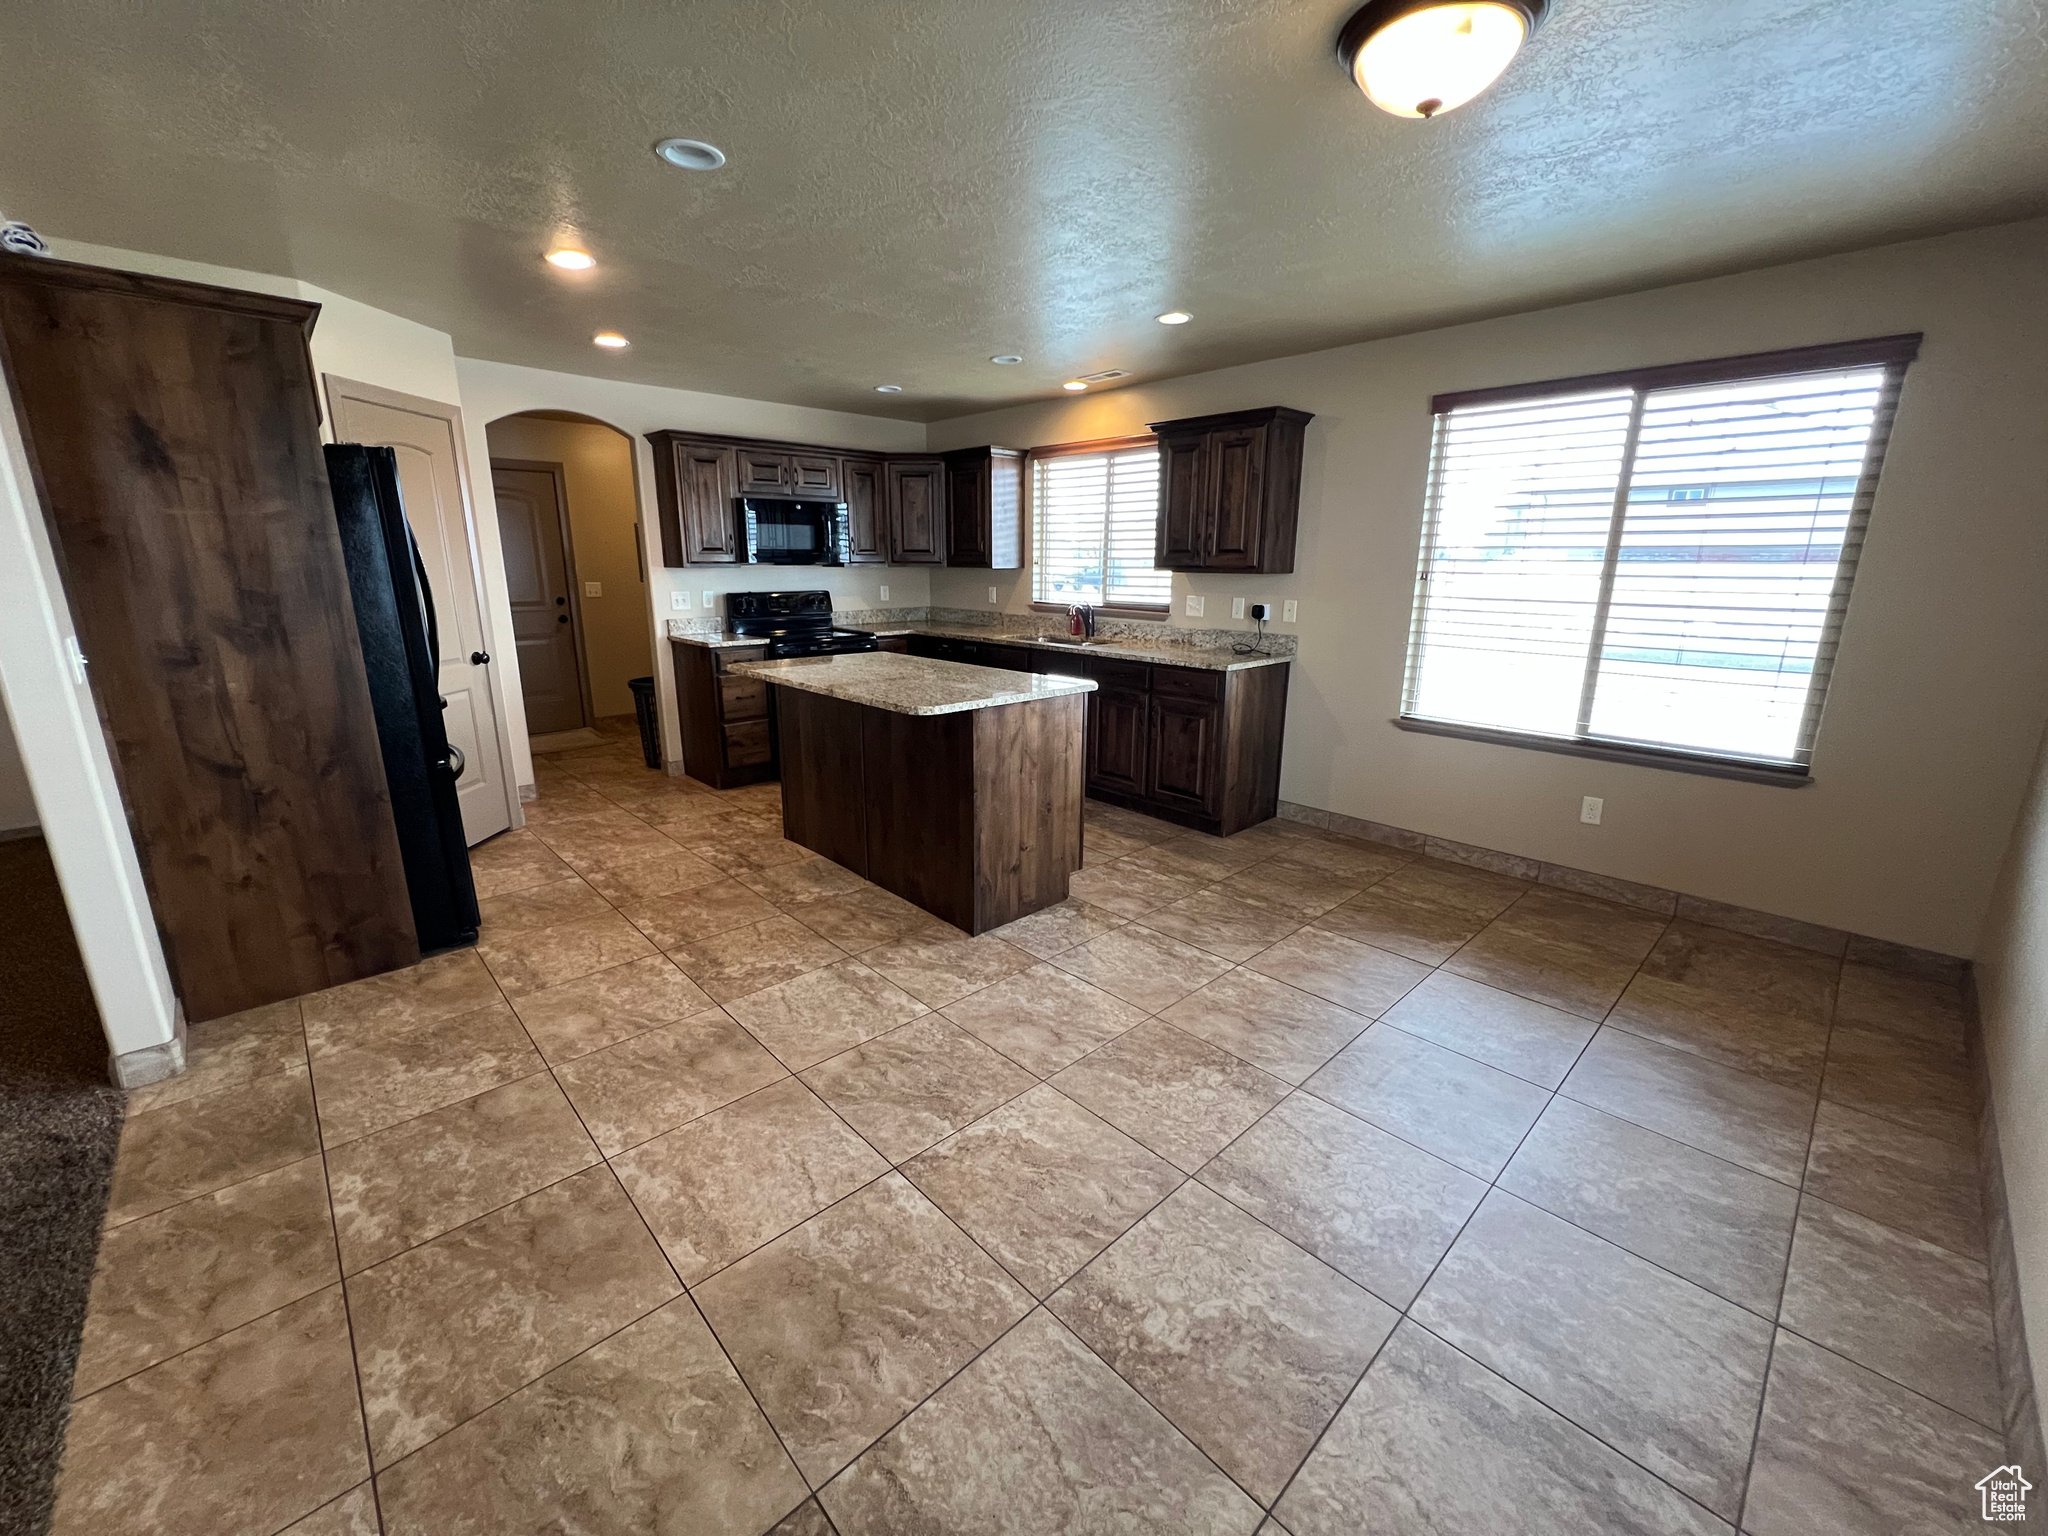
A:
{"x":793,"y":532}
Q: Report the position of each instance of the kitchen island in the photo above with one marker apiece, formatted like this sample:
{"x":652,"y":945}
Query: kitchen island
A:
{"x":956,"y":787}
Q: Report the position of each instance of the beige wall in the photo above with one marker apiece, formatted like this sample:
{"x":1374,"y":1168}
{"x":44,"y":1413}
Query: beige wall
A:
{"x":1942,"y":680}
{"x":597,"y":466}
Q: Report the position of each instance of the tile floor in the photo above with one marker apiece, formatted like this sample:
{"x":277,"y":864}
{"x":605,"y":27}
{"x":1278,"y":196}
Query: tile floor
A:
{"x":1284,"y":1184}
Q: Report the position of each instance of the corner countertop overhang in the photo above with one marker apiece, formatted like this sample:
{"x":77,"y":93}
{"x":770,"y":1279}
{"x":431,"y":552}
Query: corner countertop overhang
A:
{"x":910,"y":685}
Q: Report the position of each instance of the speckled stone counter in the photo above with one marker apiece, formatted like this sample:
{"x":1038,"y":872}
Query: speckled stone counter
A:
{"x":910,"y":685}
{"x":1207,"y":658}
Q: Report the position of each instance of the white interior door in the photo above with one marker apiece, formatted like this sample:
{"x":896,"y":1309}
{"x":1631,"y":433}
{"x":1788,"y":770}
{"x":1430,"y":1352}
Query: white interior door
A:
{"x":427,"y":437}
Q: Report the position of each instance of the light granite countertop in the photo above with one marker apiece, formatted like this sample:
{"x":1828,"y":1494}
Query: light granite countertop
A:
{"x":1204,"y":658}
{"x":910,"y":685}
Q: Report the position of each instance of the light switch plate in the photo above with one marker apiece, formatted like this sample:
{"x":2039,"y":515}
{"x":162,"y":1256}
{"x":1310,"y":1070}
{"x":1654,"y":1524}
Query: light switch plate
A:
{"x":593,"y":589}
{"x":680,"y":601}
{"x":710,"y":600}
{"x":991,"y":594}
{"x":1237,"y":607}
{"x":885,"y":592}
{"x":1195,"y":606}
{"x":1289,"y":611}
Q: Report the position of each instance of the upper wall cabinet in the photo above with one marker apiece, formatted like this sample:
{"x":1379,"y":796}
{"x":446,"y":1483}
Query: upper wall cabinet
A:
{"x":916,"y":511}
{"x":695,"y":481}
{"x":1230,"y":491}
{"x":985,"y":508}
{"x":865,"y":486}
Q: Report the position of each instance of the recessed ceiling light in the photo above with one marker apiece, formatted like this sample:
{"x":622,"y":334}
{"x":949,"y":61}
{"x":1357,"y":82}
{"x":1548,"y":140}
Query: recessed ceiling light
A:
{"x":1006,"y":358}
{"x":888,"y":389}
{"x":690,"y":154}
{"x":1076,"y":385}
{"x":1175,"y":317}
{"x":1419,"y":58}
{"x":610,"y":339}
{"x":571,"y":260}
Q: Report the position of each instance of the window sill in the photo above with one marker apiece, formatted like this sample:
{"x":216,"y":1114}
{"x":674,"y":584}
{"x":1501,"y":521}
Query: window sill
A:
{"x":1640,"y":757}
{"x":1155,"y":615}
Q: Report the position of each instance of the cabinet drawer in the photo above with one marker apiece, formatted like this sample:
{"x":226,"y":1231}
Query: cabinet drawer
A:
{"x":742,"y":698}
{"x":898,"y":643}
{"x":1188,"y":682}
{"x":1131,"y":676}
{"x":746,"y":744}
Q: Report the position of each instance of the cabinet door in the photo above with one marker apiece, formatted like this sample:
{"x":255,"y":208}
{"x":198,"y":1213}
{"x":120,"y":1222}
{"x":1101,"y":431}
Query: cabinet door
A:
{"x":967,"y":514}
{"x":1183,"y":768}
{"x":1183,"y":492}
{"x":812,"y":475}
{"x":917,"y":512}
{"x":1117,"y":732}
{"x":704,"y":492}
{"x":1236,"y":498}
{"x":762,"y":472}
{"x":861,"y":485}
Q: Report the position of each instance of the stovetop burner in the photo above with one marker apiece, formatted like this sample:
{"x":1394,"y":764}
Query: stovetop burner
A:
{"x":794,"y":623}
{"x":831,"y":642}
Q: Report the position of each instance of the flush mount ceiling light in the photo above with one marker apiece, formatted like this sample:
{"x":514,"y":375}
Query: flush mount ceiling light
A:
{"x":690,"y":154}
{"x":1076,"y":385}
{"x":1175,"y":317}
{"x":888,"y":389}
{"x":1006,"y":358}
{"x":610,"y":340}
{"x":1421,"y":58}
{"x":571,"y":260}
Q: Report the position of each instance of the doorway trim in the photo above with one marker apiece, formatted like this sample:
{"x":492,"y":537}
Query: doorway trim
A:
{"x":561,"y":478}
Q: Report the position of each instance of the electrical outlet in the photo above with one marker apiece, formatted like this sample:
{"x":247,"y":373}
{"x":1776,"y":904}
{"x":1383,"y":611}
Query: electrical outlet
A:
{"x":1195,"y":606}
{"x":1237,"y":607}
{"x":593,"y":589}
{"x":1262,"y":610}
{"x":710,"y":600}
{"x":991,"y":594}
{"x":885,"y":592}
{"x":1591,"y":809}
{"x":1289,"y":611}
{"x":680,"y":601}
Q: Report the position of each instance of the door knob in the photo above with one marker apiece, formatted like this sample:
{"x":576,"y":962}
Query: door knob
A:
{"x":479,"y":658}
{"x":561,"y":618}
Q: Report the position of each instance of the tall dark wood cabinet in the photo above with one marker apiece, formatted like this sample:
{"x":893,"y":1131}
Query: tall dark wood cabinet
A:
{"x":1230,"y":491}
{"x":985,"y":508}
{"x":174,"y":435}
{"x":917,"y":512}
{"x":866,"y":488}
{"x":695,"y":482}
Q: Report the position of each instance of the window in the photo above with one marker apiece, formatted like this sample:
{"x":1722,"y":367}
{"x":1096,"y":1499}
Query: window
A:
{"x":1095,"y":525}
{"x":1652,"y":565}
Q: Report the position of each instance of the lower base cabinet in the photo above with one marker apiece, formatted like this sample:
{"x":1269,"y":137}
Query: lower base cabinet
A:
{"x":728,"y":733}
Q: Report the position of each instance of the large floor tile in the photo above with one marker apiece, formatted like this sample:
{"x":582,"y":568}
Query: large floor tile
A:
{"x":1128,"y":891}
{"x":1530,"y":1039}
{"x":638,"y":880}
{"x":542,"y":906}
{"x":807,"y":1519}
{"x":1044,"y":1018}
{"x":605,"y":1007}
{"x":694,"y":913}
{"x":1181,"y":1097}
{"x":199,"y":1145}
{"x":399,"y":1187}
{"x":1364,"y":1202}
{"x":1144,"y":968}
{"x":654,"y":1082}
{"x":650,"y":1431}
{"x":446,"y":1329}
{"x":789,"y":886}
{"x":1245,"y":1342}
{"x":1919,"y":1184}
{"x":1843,"y":1450}
{"x":1099,"y":815}
{"x":184,"y":1275}
{"x":1287,"y":1032}
{"x":245,"y":1433}
{"x":594,"y":843}
{"x":1354,"y":860}
{"x":1716,"y":1224}
{"x":378,"y":1008}
{"x":1463,"y":1111}
{"x":739,"y":844}
{"x":1426,"y":910}
{"x":1038,"y":1436}
{"x":1916,"y":1007}
{"x":1666,"y":1373}
{"x":1043,"y":1185}
{"x":1304,"y":890}
{"x":864,"y":919}
{"x":844,"y":1325}
{"x":1743,"y":1002}
{"x":743,"y":961}
{"x":1223,"y":922}
{"x":1571,"y":952}
{"x":717,"y":1188}
{"x":353,"y":1514}
{"x":916,"y":1085}
{"x":236,"y":1049}
{"x":1050,"y":930}
{"x":1357,"y":976}
{"x":366,"y":1088}
{"x":942,"y":965}
{"x":1925,"y":1088}
{"x":513,"y":861}
{"x":1762,"y":1126}
{"x":1434,"y":1442}
{"x":1907,"y":1309}
{"x":827,"y":1011}
{"x":537,"y":958}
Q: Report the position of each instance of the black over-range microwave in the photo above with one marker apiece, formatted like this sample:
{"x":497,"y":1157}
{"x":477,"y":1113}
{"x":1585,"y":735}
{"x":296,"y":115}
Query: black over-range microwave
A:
{"x":785,"y":532}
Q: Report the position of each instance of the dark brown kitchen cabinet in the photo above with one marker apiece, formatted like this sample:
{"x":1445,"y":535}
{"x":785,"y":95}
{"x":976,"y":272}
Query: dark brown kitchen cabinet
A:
{"x":1189,"y":745}
{"x":916,"y":524}
{"x":694,"y":486}
{"x":727,"y":729}
{"x":985,"y":508}
{"x":769,"y":472}
{"x":1186,"y":728}
{"x":1119,"y":726}
{"x":1230,"y":491}
{"x":865,"y":486}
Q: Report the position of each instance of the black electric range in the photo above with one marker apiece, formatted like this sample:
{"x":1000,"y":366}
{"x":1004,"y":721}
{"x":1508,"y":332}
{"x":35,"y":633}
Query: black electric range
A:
{"x":794,"y":623}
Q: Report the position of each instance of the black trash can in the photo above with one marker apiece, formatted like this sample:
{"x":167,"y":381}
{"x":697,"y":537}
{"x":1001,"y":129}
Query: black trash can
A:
{"x":650,"y":722}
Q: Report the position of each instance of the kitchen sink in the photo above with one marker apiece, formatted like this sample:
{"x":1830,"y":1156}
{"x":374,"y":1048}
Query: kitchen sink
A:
{"x":1074,"y":639}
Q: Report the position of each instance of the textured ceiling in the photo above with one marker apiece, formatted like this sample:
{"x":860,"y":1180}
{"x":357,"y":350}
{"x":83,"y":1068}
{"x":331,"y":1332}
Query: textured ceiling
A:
{"x":915,"y":186}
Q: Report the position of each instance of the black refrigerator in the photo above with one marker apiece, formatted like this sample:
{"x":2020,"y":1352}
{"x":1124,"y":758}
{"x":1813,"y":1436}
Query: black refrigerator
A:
{"x":401,"y":640}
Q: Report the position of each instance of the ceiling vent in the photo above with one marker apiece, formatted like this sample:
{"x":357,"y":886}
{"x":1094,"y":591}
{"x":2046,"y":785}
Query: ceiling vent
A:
{"x":1105,"y":376}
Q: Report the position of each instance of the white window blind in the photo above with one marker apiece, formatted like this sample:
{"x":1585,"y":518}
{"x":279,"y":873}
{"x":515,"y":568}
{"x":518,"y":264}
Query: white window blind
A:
{"x":1095,"y":527}
{"x":1657,"y":564}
